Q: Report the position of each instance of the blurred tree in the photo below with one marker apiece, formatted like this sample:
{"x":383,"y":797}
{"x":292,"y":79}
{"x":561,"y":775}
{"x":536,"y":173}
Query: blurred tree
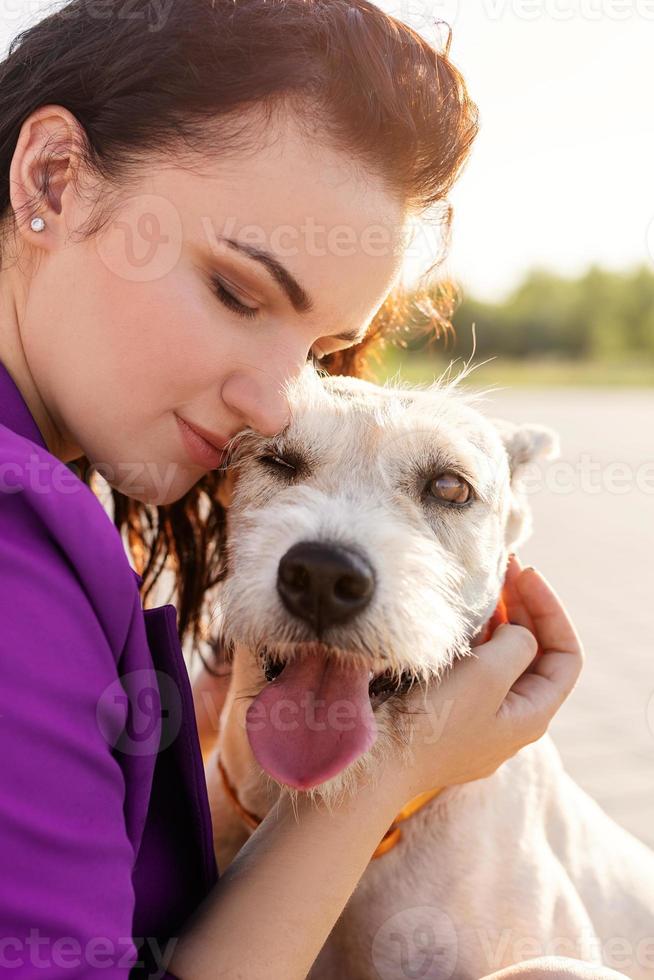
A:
{"x":602,"y":315}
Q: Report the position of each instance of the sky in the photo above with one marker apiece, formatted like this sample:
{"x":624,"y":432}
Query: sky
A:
{"x":562,"y":172}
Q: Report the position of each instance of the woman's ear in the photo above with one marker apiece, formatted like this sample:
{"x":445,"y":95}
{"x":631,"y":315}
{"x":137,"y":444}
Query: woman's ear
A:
{"x":524,"y":444}
{"x":46,"y":158}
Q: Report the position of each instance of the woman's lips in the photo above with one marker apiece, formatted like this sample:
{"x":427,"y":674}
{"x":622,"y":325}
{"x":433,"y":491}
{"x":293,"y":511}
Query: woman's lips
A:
{"x":200,"y":450}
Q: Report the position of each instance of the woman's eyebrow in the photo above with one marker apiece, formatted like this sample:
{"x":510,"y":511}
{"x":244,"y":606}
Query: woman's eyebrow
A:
{"x":300,"y":300}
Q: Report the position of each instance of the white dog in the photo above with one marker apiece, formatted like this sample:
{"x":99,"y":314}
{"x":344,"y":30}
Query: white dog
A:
{"x":366,"y":548}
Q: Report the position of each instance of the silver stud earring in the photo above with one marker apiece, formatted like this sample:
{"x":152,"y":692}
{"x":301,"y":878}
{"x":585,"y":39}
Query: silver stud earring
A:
{"x":37,"y":224}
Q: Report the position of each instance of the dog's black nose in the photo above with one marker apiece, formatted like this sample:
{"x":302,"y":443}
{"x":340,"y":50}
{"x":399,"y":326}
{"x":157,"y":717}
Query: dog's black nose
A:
{"x":324,"y":584}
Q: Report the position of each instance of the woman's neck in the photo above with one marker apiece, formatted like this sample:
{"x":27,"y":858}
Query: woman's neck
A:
{"x":13,"y":296}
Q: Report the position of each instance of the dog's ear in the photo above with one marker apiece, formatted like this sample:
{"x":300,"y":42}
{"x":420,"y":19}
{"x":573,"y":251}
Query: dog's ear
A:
{"x":225,"y":489}
{"x":524,"y":444}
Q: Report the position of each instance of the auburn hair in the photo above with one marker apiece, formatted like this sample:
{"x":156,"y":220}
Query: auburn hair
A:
{"x":139,"y":86}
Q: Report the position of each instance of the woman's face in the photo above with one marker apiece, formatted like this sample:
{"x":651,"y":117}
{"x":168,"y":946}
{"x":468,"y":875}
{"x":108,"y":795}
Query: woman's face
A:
{"x":205,"y":293}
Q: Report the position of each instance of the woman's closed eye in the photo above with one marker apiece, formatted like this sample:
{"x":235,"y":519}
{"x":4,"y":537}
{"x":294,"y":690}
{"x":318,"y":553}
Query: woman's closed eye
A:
{"x":229,"y":300}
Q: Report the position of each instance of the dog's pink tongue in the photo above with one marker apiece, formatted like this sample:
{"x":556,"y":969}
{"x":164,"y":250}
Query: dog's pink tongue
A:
{"x":311,"y":721}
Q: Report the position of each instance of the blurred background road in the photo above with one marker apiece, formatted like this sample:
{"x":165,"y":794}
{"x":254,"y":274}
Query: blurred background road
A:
{"x":594,"y":543}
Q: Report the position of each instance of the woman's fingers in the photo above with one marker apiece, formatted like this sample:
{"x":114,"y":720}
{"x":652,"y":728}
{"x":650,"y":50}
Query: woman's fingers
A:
{"x":553,"y":675}
{"x":552,"y":624}
{"x":550,"y":681}
{"x":503,"y":658}
{"x":515,"y":606}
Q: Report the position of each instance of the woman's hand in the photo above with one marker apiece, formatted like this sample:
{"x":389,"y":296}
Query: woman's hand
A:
{"x":491,"y":704}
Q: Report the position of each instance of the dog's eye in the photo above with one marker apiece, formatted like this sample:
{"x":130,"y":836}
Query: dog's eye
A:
{"x":451,"y":488}
{"x":274,"y":461}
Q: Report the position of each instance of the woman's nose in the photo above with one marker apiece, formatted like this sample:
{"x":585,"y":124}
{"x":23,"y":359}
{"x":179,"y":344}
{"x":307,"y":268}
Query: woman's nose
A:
{"x":258,"y":402}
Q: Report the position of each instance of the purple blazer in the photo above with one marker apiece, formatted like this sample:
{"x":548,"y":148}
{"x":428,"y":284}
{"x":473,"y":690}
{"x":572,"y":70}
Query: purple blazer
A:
{"x":106,"y":843}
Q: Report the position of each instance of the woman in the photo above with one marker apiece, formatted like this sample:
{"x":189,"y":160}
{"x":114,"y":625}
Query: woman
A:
{"x":194,"y":201}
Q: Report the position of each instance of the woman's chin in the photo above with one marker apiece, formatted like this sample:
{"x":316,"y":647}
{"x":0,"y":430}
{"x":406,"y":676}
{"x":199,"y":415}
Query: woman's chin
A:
{"x":158,"y":494}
